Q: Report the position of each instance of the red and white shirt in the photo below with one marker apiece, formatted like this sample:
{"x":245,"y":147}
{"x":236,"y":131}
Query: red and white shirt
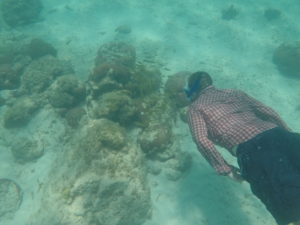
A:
{"x":227,"y":118}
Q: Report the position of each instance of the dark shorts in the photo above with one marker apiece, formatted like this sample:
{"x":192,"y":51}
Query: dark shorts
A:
{"x":270,"y":162}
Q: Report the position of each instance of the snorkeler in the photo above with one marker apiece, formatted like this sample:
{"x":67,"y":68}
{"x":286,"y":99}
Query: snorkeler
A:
{"x":268,"y":152}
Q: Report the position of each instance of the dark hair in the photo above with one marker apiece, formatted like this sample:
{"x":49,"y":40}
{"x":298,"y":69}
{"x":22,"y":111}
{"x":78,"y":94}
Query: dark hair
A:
{"x":196,"y":82}
{"x":202,"y":78}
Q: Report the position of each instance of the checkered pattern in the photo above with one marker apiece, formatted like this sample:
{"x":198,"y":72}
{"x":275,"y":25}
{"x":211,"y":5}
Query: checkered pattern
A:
{"x":227,"y":118}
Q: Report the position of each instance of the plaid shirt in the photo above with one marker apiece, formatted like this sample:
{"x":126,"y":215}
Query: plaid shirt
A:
{"x":227,"y":118}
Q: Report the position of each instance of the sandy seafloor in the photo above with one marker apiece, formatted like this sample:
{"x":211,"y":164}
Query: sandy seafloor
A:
{"x":178,"y":35}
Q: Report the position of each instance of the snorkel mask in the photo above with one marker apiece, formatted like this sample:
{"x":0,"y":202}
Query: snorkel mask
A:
{"x":189,"y":91}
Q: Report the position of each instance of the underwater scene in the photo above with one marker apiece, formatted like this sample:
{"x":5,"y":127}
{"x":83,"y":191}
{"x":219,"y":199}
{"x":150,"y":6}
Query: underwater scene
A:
{"x":93,"y":125}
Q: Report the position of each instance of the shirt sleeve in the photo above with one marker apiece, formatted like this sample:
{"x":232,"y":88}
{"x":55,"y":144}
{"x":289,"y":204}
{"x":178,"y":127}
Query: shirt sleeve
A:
{"x":205,"y":146}
{"x":265,"y":112}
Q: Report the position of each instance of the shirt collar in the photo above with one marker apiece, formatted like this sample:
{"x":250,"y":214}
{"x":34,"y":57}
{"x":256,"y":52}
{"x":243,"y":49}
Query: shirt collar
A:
{"x":210,"y":87}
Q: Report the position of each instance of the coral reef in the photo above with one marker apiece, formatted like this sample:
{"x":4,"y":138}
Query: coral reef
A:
{"x":20,"y":113}
{"x":102,"y":134}
{"x":7,"y":53}
{"x":25,"y":150}
{"x":154,"y":108}
{"x":174,"y":89}
{"x":229,"y":13}
{"x":38,"y":48}
{"x":110,"y":188}
{"x":11,"y":197}
{"x":123,"y":122}
{"x":144,"y":82}
{"x":12,"y":62}
{"x":183,"y":114}
{"x":116,"y":72}
{"x":9,"y":78}
{"x":287,"y":59}
{"x":155,"y":139}
{"x":117,"y":87}
{"x":74,"y":115}
{"x":40,"y":73}
{"x":108,"y":77}
{"x":66,"y":92}
{"x":19,"y":12}
{"x":117,"y":106}
{"x":12,"y":54}
{"x":116,"y":53}
{"x":178,"y":165}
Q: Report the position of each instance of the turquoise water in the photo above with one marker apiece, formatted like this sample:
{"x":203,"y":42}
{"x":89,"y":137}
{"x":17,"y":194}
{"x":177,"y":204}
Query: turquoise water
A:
{"x":92,"y":131}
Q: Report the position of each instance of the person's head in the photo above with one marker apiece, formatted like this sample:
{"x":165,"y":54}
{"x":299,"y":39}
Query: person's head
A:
{"x":196,"y":83}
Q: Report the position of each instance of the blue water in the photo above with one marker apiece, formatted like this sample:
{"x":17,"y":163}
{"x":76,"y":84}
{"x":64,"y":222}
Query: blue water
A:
{"x":61,"y":167}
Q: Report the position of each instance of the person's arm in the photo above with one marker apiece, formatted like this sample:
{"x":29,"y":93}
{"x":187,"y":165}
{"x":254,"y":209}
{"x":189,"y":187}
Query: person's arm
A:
{"x":205,"y":146}
{"x":265,"y":112}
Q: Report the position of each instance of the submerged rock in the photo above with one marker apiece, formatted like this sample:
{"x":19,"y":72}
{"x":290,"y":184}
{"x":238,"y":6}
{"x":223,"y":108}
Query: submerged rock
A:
{"x":19,"y":12}
{"x":20,"y":113}
{"x":118,"y":73}
{"x":38,"y":48}
{"x":174,"y":88}
{"x":180,"y":163}
{"x":229,"y":13}
{"x":10,"y":198}
{"x":287,"y":59}
{"x":9,"y":78}
{"x":117,"y":106}
{"x":118,"y":53}
{"x":102,"y":134}
{"x":66,"y":92}
{"x":25,"y":150}
{"x":272,"y":14}
{"x":40,"y":74}
{"x":110,"y":188}
{"x":155,"y":140}
{"x":123,"y":29}
{"x":144,"y":82}
{"x":74,"y":115}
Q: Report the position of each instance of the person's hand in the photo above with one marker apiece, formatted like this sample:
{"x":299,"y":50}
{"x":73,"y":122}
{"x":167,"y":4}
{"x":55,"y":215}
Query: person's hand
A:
{"x":236,"y":175}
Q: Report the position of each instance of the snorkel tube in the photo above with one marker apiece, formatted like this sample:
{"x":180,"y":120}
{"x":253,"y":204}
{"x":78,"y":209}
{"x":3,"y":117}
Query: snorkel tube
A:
{"x":191,"y":89}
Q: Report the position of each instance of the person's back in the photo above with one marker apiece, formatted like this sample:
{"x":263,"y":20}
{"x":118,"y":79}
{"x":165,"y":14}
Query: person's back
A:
{"x":231,"y":117}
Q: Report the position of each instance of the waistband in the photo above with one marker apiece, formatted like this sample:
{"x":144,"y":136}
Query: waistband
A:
{"x":256,"y":138}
